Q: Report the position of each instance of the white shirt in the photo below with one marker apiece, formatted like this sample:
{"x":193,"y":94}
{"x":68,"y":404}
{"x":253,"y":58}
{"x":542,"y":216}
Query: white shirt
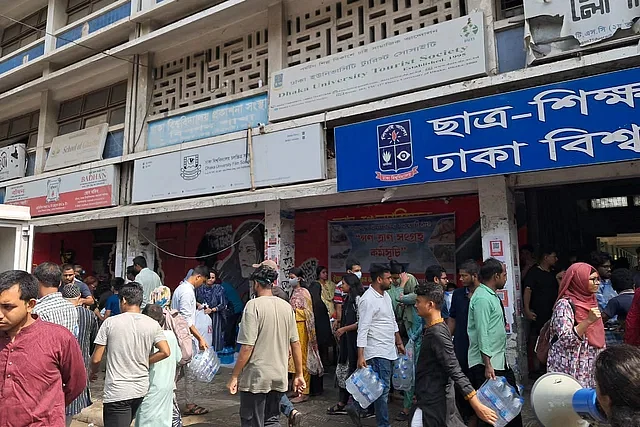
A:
{"x":149,"y":281}
{"x":184,"y":300}
{"x":377,"y":326}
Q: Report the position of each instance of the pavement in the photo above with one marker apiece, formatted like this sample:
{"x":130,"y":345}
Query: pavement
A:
{"x":224,"y":407}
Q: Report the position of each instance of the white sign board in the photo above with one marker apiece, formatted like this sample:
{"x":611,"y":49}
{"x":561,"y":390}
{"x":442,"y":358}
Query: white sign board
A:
{"x":13,"y":161}
{"x":588,"y":21}
{"x":78,"y":147}
{"x":445,"y":52}
{"x":284,"y":157}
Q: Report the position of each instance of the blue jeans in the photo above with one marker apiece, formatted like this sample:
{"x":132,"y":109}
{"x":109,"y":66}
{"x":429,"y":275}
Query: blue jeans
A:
{"x":286,"y":407}
{"x":383,"y":368}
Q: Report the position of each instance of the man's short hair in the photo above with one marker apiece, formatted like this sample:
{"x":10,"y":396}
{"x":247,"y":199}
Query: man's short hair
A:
{"x":27,"y":283}
{"x":622,"y":279}
{"x":117,"y":283}
{"x":471,"y":267}
{"x":201,"y":270}
{"x":131,"y":271}
{"x":490,"y":268}
{"x":431,"y":291}
{"x":132,"y":292}
{"x":378,"y":270}
{"x":264,"y":276}
{"x":66,"y":267}
{"x":155,"y":312}
{"x":599,"y":258}
{"x":140,"y":261}
{"x":433,"y":271}
{"x":395,"y":267}
{"x":49,"y":274}
{"x":351,"y":262}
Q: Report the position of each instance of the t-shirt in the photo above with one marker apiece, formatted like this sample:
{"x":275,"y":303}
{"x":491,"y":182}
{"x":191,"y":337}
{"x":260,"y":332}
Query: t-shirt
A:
{"x":149,"y":281}
{"x":129,"y":338}
{"x":269,"y":325}
{"x":544,"y":293}
{"x":460,"y":312}
{"x":113,"y":304}
{"x":619,"y":306}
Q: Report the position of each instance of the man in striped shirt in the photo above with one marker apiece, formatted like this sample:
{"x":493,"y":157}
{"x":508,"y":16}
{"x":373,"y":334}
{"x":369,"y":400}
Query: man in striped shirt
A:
{"x":51,"y":307}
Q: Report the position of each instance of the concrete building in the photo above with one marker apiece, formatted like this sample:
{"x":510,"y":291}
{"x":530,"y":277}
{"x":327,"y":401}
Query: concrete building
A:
{"x":227,"y":131}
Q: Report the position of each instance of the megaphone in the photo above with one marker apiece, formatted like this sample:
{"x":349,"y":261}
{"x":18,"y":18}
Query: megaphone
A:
{"x":558,"y":400}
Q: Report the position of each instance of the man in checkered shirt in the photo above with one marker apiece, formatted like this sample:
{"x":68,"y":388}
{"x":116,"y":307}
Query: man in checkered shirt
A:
{"x":51,"y":306}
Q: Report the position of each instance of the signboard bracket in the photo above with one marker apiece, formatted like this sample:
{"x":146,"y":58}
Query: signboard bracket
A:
{"x":251,"y":171}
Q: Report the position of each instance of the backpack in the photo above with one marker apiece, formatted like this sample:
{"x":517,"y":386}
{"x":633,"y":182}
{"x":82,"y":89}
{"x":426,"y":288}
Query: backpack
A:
{"x":176,"y":323}
{"x":545,"y":340}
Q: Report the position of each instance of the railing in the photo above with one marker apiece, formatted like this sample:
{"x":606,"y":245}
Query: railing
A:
{"x":22,"y":57}
{"x":91,"y":25}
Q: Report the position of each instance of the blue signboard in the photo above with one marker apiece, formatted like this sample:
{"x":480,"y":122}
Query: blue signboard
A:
{"x":579,"y":122}
{"x":209,"y":122}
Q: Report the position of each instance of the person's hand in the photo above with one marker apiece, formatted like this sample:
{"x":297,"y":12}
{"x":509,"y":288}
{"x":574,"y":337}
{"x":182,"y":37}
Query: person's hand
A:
{"x":594,"y":315}
{"x":214,"y":310}
{"x":531,"y":315}
{"x":483,"y":412}
{"x":400,"y":348}
{"x":361,"y":362}
{"x":339,"y":332}
{"x":207,"y":311}
{"x":203,"y":344}
{"x":298,"y":384}
{"x":93,"y":376}
{"x":404,"y":278}
{"x":489,"y":373}
{"x":232,"y":385}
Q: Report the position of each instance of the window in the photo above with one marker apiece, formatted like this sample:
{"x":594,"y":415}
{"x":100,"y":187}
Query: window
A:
{"x":610,"y":202}
{"x":17,"y":35}
{"x":22,"y":130}
{"x":105,"y":105}
{"x":509,"y":8}
{"x":78,"y":9}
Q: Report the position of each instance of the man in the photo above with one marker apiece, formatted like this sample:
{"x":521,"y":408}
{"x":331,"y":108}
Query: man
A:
{"x":69,"y":276}
{"x":527,"y":259}
{"x":129,"y":338}
{"x":354,"y":267}
{"x":79,"y":272}
{"x":378,"y":340}
{"x":619,"y":306}
{"x":438,"y":370}
{"x":486,"y":329}
{"x":601,"y":261}
{"x":87,"y":331}
{"x":540,"y":295}
{"x":146,"y":277}
{"x":457,"y":323}
{"x":267,"y":335}
{"x":41,"y":363}
{"x":131,"y":273}
{"x":184,"y":300}
{"x":51,"y":307}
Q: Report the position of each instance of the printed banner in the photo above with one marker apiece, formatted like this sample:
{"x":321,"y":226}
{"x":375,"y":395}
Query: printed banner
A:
{"x":416,"y":242}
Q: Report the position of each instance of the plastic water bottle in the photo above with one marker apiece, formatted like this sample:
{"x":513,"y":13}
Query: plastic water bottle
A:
{"x":500,"y":396}
{"x":365,"y":386}
{"x":402,"y":373}
{"x":205,"y":365}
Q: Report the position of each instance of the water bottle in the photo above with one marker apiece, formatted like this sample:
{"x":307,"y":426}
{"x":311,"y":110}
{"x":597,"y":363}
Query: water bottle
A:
{"x":205,"y":365}
{"x":500,"y":396}
{"x":365,"y":386}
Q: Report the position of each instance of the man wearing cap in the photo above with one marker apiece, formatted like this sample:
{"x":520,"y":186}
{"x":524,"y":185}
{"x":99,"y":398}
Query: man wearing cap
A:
{"x":87,"y":332}
{"x":268,"y":332}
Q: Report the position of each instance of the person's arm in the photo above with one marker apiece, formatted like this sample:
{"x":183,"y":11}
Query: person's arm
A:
{"x":298,"y":381}
{"x":408,"y":299}
{"x":187,"y":306}
{"x":163,"y":352}
{"x":365,"y":311}
{"x":482,"y":311}
{"x":223,"y":303}
{"x":96,"y":358}
{"x":72,"y":370}
{"x":85,"y":293}
{"x":529,"y":314}
{"x":611,"y":310}
{"x":451,"y":323}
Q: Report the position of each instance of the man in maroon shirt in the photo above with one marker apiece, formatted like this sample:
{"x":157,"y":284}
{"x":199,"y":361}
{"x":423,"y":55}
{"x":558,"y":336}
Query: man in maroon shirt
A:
{"x":41,"y":363}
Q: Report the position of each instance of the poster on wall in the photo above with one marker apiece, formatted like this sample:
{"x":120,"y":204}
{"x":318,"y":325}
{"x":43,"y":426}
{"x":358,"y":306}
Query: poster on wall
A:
{"x":416,"y":242}
{"x":497,"y":244}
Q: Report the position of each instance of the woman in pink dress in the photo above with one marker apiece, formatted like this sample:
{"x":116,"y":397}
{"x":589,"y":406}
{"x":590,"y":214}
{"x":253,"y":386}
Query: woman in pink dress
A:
{"x":577,"y":330}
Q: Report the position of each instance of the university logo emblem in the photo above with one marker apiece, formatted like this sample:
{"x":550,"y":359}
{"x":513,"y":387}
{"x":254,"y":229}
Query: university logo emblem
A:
{"x":53,"y":190}
{"x":395,"y":152}
{"x":190,"y":169}
{"x":278,"y":81}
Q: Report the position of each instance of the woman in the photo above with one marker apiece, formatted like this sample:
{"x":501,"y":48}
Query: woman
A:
{"x":347,"y":333}
{"x":328,"y":288}
{"x":324,"y":333}
{"x":305,"y":321}
{"x":212,"y":294}
{"x":617,"y":379}
{"x":577,"y":330}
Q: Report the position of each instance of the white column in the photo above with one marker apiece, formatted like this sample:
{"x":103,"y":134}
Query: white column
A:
{"x":487,"y":7}
{"x":500,"y":241}
{"x":139,"y":104}
{"x":277,"y":38}
{"x":279,"y":237}
{"x":56,"y":19}
{"x":140,"y":235}
{"x":120,"y":264}
{"x":47,"y":128}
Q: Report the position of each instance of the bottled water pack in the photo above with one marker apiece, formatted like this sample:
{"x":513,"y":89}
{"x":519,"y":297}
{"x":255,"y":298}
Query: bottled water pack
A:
{"x":500,"y":396}
{"x":403,"y":373}
{"x":365,"y":386}
{"x":205,"y":365}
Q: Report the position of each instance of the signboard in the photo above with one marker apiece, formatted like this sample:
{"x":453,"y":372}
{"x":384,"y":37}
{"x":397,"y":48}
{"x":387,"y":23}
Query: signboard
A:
{"x":208,"y":122}
{"x":85,"y":145}
{"x":497,"y":243}
{"x":284,"y":157}
{"x":416,"y":242}
{"x":13,"y":161}
{"x":445,"y":52}
{"x":89,"y":189}
{"x":588,"y":21}
{"x":579,"y":122}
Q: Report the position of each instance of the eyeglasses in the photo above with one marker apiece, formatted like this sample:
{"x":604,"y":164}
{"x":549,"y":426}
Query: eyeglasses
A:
{"x":595,"y":280}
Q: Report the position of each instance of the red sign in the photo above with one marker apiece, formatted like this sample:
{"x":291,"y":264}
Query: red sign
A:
{"x":496,"y":248}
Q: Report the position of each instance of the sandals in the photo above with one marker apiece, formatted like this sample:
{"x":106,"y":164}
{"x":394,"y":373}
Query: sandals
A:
{"x":195,"y":410}
{"x":337,"y":410}
{"x":295,"y":419}
{"x":300,"y":399}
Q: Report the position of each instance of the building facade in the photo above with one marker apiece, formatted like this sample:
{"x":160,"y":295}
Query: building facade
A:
{"x":306,"y":132}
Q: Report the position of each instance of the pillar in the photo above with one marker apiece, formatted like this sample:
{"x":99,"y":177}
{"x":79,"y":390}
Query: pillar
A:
{"x":47,"y":128}
{"x":277,"y":38}
{"x":56,"y":19}
{"x":487,"y":7}
{"x":140,"y":234}
{"x":139,"y":104}
{"x":279,"y":243}
{"x":500,"y":241}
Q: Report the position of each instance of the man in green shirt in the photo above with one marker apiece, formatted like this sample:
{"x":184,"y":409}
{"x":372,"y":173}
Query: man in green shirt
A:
{"x":487,"y":333}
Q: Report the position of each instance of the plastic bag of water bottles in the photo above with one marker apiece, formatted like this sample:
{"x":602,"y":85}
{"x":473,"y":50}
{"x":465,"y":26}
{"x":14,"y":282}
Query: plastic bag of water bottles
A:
{"x":205,"y":365}
{"x":403,"y":371}
{"x":500,"y":396}
{"x":365,"y":386}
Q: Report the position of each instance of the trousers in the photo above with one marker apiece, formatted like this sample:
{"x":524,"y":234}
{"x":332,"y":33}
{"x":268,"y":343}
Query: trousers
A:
{"x":260,"y":409}
{"x":120,"y":414}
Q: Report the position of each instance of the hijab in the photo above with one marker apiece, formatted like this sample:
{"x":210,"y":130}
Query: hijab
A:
{"x":575,"y":287}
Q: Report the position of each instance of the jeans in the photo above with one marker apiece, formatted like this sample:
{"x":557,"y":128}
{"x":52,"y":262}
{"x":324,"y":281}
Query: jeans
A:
{"x":120,"y":414}
{"x":383,"y":368}
{"x":286,"y":407}
{"x":260,"y":409}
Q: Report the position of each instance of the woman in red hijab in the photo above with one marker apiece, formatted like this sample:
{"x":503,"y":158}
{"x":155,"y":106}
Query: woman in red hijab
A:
{"x":577,"y":329}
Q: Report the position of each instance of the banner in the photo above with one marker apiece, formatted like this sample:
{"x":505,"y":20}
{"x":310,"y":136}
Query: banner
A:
{"x":416,"y":242}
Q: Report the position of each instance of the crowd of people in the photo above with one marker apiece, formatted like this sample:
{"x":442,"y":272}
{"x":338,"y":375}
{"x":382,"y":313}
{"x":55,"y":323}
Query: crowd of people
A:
{"x":58,"y":330}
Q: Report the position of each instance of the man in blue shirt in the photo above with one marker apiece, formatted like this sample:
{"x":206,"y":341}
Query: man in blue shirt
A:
{"x":601,"y":261}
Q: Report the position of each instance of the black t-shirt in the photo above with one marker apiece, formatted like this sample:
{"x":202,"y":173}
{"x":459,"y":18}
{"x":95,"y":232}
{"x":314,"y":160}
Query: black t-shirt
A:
{"x":544,"y":293}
